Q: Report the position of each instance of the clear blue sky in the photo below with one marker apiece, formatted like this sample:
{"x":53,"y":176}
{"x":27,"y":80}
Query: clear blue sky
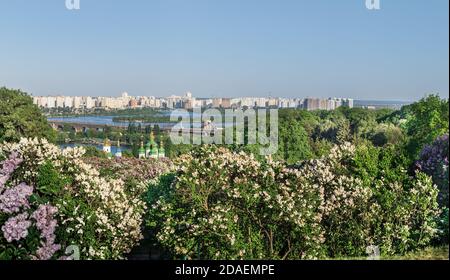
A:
{"x":291,"y":48}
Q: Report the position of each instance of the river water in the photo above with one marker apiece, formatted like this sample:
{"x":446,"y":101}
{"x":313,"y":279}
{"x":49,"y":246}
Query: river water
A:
{"x":108,"y":121}
{"x":103,"y":120}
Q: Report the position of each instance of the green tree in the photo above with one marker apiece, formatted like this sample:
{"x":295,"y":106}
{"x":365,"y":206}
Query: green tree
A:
{"x":428,"y":119}
{"x":19,"y":117}
{"x":343,"y":133}
{"x":293,"y":142}
{"x":385,"y":134}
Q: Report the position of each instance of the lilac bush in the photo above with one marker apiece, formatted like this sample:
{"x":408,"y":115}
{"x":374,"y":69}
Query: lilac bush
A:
{"x":68,"y":203}
{"x":226,"y":205}
{"x":433,"y":161}
{"x":15,"y":206}
{"x":136,"y":173}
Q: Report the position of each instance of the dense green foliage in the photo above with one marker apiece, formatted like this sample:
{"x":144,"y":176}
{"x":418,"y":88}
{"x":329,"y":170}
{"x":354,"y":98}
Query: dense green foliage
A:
{"x":19,"y":117}
{"x":443,"y":228}
{"x":426,"y":121}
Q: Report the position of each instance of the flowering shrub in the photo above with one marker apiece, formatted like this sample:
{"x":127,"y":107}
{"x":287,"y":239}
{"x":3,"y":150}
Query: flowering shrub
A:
{"x":32,"y":229}
{"x":344,"y":210}
{"x":225,"y":205}
{"x":398,"y":214}
{"x":404,"y":215}
{"x":433,"y":161}
{"x":50,"y":199}
{"x":134,"y":172}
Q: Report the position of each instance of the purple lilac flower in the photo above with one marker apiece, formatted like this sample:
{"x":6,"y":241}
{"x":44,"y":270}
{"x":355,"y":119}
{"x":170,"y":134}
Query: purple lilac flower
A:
{"x":13,"y":199}
{"x":3,"y":179}
{"x":47,"y":250}
{"x":434,"y":162}
{"x":434,"y":158}
{"x":8,"y":167}
{"x":11,"y":163}
{"x":47,"y":225}
{"x":44,"y":220}
{"x":16,"y":228}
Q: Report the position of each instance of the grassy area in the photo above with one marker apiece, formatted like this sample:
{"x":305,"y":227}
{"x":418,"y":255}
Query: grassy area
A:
{"x":431,"y":253}
{"x":439,"y":253}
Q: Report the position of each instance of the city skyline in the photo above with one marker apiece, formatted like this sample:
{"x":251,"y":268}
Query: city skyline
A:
{"x":227,"y":48}
{"x":187,"y":101}
{"x":162,"y":96}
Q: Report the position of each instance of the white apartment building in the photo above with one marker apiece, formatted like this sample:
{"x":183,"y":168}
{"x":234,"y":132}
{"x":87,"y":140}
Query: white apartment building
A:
{"x":68,"y":102}
{"x":59,"y":101}
{"x":88,"y":102}
{"x":51,"y":102}
{"x":77,"y":102}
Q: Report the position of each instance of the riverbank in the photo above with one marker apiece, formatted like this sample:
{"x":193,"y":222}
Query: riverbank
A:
{"x":106,"y":121}
{"x":50,"y":113}
{"x":96,"y":144}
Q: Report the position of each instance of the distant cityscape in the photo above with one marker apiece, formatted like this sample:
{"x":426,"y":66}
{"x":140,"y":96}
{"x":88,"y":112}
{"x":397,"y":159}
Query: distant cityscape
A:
{"x":187,"y":101}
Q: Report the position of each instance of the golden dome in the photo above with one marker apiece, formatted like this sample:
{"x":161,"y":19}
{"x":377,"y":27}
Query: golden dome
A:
{"x":107,"y":142}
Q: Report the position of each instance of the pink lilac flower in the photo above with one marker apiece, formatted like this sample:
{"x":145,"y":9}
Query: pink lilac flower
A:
{"x":13,"y":199}
{"x":16,"y":228}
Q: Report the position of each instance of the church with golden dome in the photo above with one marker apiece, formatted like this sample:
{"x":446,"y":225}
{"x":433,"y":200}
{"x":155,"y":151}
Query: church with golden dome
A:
{"x":151,"y":150}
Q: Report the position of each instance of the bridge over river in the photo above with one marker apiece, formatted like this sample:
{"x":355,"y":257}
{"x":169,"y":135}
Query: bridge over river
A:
{"x":60,"y":124}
